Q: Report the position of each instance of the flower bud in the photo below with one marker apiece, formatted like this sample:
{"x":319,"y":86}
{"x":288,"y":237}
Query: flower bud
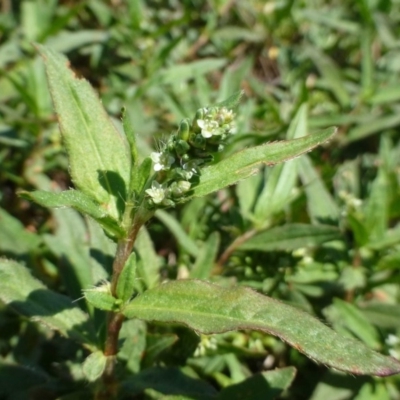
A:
{"x":184,"y":130}
{"x":181,"y":147}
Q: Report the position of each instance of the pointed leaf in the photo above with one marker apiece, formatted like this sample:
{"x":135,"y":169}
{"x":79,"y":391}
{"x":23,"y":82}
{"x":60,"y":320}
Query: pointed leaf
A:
{"x":29,"y":297}
{"x":208,"y":308}
{"x":320,"y":204}
{"x":99,"y":155}
{"x":246,"y":162}
{"x":126,"y":281}
{"x":101,"y":298}
{"x":290,"y":237}
{"x":80,"y":202}
{"x":94,"y":366}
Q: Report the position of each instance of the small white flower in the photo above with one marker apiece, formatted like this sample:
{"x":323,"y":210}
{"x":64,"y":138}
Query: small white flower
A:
{"x":157,"y":192}
{"x":208,"y":128}
{"x":162,"y":160}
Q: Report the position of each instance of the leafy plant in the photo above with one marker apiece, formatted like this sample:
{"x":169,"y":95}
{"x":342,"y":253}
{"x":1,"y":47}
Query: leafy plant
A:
{"x":121,"y":190}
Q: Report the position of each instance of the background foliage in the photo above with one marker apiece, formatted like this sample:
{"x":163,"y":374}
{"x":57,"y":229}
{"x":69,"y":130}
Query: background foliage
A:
{"x":325,"y":63}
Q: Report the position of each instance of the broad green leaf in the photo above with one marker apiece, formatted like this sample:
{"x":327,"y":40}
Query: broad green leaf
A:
{"x":262,"y":386}
{"x":290,"y":237}
{"x":100,"y":163}
{"x":30,"y":298}
{"x":80,"y":202}
{"x":246,"y":162}
{"x":94,"y":366}
{"x":208,"y":308}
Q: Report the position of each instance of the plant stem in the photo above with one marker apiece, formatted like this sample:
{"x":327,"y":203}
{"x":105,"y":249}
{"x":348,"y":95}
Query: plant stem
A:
{"x":231,"y":248}
{"x":115,"y":320}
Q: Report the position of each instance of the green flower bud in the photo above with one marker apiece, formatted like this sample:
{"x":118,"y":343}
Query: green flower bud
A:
{"x":184,"y":130}
{"x":179,"y":188}
{"x":198,"y":141}
{"x":181,"y":147}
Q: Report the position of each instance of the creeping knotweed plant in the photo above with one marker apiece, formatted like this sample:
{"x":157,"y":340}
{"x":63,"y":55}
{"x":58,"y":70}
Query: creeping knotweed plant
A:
{"x":178,"y":163}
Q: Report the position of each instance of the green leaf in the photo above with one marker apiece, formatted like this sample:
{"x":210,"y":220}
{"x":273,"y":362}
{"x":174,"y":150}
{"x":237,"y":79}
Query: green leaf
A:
{"x":246,"y":162}
{"x":290,"y":237}
{"x":14,"y":238}
{"x":94,"y":366}
{"x":208,"y":308}
{"x":320,"y":204}
{"x":265,"y":385}
{"x":353,"y":319}
{"x":382,"y":315}
{"x":78,"y":201}
{"x":100,"y":297}
{"x":184,"y":240}
{"x":232,"y":101}
{"x":206,"y":258}
{"x":126,"y":281}
{"x":149,"y":262}
{"x":32,"y":299}
{"x":99,"y":158}
{"x":70,"y":244}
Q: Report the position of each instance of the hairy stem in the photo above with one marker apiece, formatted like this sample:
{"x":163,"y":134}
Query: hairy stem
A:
{"x":115,"y":320}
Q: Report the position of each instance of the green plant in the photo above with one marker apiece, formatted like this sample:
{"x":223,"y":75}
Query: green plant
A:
{"x":121,"y":191}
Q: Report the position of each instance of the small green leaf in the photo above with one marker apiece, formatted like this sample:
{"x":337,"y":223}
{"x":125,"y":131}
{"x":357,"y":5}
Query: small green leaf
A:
{"x":131,"y":136}
{"x":265,"y":385}
{"x":290,"y":237}
{"x":94,"y":366}
{"x":320,"y":204}
{"x":232,"y":101}
{"x":100,"y":162}
{"x":80,"y":202}
{"x":140,"y":175}
{"x":126,"y":281}
{"x":100,"y":297}
{"x":208,"y":308}
{"x":31,"y":298}
{"x":246,"y":162}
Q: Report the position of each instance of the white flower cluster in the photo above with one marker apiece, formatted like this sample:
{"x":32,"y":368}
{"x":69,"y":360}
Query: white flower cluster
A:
{"x":216,"y":122}
{"x":162,"y":161}
{"x":178,"y":162}
{"x":160,"y":194}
